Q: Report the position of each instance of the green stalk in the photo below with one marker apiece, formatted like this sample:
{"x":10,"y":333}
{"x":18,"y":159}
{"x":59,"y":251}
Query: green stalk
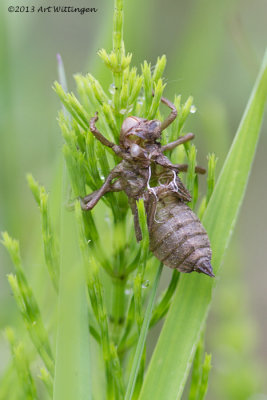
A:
{"x":118,"y":49}
{"x":22,"y":366}
{"x":119,"y":280}
{"x":159,"y":312}
{"x":163,"y":305}
{"x":95,"y":290}
{"x":118,"y":305}
{"x":197,"y":370}
{"x":51,"y":252}
{"x":205,"y":377}
{"x":138,"y":281}
{"x":72,"y":373}
{"x":142,"y":338}
{"x":27,"y":304}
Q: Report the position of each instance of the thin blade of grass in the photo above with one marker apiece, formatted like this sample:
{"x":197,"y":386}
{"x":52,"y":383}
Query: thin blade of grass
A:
{"x":142,"y":338}
{"x":171,"y":361}
{"x":72,"y":363}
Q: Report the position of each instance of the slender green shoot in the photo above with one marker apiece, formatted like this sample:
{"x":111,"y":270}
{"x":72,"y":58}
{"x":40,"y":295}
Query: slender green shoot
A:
{"x":142,"y":338}
{"x":21,"y":363}
{"x":28,"y":305}
{"x":50,"y":245}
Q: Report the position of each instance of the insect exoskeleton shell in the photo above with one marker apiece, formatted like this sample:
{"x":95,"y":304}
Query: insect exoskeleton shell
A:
{"x":128,"y":125}
{"x":178,"y":239}
{"x":135,"y":151}
{"x":136,"y":127}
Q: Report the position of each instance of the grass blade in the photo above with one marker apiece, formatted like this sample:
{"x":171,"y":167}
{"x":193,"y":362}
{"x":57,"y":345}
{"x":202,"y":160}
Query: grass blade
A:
{"x":142,"y":338}
{"x":72,"y":363}
{"x":170,"y":364}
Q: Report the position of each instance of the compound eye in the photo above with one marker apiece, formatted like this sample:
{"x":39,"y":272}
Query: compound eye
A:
{"x":154,"y":129}
{"x":154,"y":125}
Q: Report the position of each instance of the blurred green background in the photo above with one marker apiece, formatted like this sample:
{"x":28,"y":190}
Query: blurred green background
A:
{"x":213,"y":50}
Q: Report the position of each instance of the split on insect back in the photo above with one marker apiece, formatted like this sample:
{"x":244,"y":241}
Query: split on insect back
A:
{"x":177,"y":237}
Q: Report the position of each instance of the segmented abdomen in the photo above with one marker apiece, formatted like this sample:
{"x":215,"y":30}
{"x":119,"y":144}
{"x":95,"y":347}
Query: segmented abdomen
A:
{"x":178,"y":239}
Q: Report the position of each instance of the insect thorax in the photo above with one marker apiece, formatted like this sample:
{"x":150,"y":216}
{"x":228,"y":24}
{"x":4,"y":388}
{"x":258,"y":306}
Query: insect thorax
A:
{"x":134,"y":179}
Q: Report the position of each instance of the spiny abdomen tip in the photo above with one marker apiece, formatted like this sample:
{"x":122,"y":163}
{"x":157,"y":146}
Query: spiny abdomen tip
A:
{"x":204,"y":267}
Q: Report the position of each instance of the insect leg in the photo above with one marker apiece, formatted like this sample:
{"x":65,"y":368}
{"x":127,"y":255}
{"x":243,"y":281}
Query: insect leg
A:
{"x":184,"y":168}
{"x":181,"y":140}
{"x":171,"y":117}
{"x":98,"y":135}
{"x":166,"y":163}
{"x":89,"y":201}
{"x":138,"y":232}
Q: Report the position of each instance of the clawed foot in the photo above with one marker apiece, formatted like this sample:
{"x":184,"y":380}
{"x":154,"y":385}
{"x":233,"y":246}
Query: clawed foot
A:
{"x":86,"y":206}
{"x":93,"y":121}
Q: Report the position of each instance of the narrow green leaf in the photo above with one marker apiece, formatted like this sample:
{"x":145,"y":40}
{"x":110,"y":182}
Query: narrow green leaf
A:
{"x":72,"y":362}
{"x":142,"y":339}
{"x":170,"y":364}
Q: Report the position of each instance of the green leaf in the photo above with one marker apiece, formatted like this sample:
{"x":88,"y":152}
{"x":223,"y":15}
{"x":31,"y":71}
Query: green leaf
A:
{"x":171,"y":361}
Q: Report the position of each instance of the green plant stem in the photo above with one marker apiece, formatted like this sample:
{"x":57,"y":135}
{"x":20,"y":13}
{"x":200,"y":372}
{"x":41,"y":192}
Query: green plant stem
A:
{"x":160,"y":310}
{"x":203,"y":387}
{"x":112,"y":366}
{"x":118,"y":48}
{"x":141,"y":342}
{"x":163,"y":305}
{"x":140,"y":376}
{"x":138,"y":281}
{"x":197,"y":370}
{"x":21,"y":363}
{"x":122,"y":347}
{"x":28,"y":305}
{"x":119,"y":280}
{"x":96,"y":297}
{"x":72,"y":330}
{"x":118,"y":306}
{"x":51,"y":251}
